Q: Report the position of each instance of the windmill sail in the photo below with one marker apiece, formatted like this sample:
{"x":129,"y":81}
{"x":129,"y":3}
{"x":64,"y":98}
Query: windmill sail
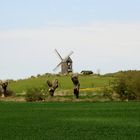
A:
{"x":58,"y":55}
{"x":66,"y":58}
{"x":57,"y":66}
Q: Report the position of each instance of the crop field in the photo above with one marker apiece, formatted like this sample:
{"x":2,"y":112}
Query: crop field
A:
{"x":70,"y":121}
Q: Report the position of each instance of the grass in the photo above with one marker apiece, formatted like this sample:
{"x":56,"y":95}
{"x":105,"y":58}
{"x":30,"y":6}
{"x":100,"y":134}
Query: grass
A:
{"x":70,"y":121}
{"x":65,"y":82}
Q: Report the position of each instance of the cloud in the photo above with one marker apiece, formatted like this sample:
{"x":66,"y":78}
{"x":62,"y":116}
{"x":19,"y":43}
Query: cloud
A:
{"x":105,"y":46}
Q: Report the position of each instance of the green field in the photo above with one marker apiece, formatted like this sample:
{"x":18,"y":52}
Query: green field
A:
{"x":65,"y":82}
{"x":91,"y":87}
{"x":70,"y":121}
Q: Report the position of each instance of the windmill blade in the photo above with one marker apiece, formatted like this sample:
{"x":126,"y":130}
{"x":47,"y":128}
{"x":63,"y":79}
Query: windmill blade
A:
{"x":58,"y":54}
{"x":65,"y":59}
{"x":57,"y":67}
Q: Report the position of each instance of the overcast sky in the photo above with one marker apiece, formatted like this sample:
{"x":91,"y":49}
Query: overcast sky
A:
{"x":103,"y":34}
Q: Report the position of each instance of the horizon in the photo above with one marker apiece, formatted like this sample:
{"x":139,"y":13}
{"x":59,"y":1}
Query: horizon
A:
{"x":104,"y":35}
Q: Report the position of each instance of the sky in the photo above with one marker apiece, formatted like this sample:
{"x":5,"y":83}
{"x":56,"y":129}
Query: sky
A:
{"x":103,"y":34}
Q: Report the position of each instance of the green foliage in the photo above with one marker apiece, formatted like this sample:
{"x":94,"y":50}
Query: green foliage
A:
{"x":35,"y":94}
{"x":127,"y":85}
{"x":107,"y":93}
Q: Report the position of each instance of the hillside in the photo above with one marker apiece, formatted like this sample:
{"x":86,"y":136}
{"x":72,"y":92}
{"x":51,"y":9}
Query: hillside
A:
{"x":65,"y":82}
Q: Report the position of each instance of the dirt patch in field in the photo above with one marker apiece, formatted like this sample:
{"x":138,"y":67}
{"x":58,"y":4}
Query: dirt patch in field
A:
{"x":14,"y":99}
{"x":52,"y":99}
{"x":48,"y":99}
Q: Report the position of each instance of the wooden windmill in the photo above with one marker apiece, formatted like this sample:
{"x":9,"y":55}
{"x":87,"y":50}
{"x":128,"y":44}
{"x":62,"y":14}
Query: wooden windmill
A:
{"x":66,"y":63}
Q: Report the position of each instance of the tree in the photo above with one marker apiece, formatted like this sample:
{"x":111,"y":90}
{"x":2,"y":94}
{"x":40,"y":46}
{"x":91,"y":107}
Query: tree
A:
{"x":52,"y":86}
{"x":76,"y":84}
{"x":127,"y":85}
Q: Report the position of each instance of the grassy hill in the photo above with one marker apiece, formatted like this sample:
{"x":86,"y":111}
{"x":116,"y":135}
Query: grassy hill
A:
{"x":65,"y":83}
{"x":91,"y":87}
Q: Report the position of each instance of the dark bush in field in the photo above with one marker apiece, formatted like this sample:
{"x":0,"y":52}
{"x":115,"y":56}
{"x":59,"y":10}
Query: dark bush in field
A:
{"x":86,"y":72}
{"x":35,"y":94}
{"x":127,"y":85}
{"x":7,"y":93}
{"x":0,"y":92}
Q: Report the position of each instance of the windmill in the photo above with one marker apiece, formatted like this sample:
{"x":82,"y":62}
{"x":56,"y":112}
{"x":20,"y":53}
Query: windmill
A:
{"x":66,"y":63}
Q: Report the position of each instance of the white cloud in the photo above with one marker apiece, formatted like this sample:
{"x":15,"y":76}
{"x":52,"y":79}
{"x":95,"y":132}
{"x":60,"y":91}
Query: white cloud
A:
{"x":108,"y":47}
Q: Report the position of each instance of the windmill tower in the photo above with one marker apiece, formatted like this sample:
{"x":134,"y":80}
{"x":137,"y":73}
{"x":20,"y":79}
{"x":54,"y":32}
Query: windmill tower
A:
{"x":66,"y":63}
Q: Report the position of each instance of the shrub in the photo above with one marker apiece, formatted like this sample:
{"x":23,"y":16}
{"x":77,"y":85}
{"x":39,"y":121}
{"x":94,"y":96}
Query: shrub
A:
{"x":35,"y":94}
{"x":107,"y":93}
{"x":86,"y":72}
{"x":127,"y":85}
{"x":8,"y":93}
{"x":0,"y":92}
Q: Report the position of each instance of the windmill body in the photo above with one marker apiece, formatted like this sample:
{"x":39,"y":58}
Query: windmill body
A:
{"x":66,"y":63}
{"x":66,"y":67}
